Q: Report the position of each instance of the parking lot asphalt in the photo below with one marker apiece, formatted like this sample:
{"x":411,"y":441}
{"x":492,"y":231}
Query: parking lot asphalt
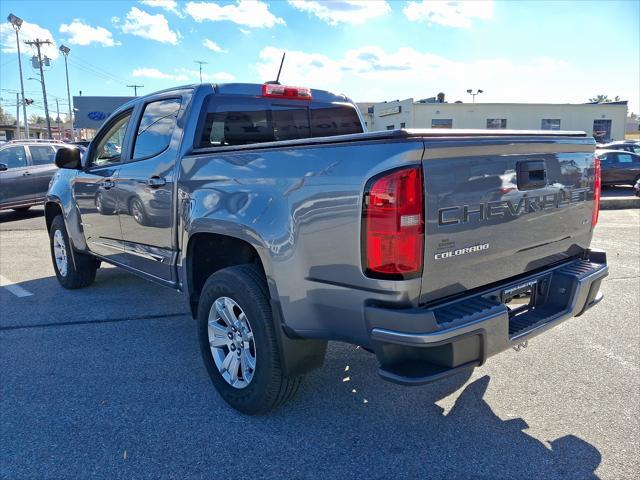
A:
{"x":107,"y":382}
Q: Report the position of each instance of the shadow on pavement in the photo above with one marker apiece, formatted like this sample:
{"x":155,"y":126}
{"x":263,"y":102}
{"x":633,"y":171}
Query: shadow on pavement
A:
{"x":10,"y":215}
{"x":131,"y":398}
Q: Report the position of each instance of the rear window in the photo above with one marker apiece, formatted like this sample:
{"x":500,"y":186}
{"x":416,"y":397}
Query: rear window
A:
{"x":244,"y":122}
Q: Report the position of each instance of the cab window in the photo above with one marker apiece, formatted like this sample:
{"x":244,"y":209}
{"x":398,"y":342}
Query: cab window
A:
{"x":156,"y":128}
{"x":108,"y":150}
{"x":13,"y":157}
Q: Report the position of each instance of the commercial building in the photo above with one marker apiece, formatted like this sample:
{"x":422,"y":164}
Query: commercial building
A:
{"x":605,"y":121}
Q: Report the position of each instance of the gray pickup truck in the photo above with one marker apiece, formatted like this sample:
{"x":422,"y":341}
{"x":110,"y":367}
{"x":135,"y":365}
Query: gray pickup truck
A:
{"x":287,"y":225}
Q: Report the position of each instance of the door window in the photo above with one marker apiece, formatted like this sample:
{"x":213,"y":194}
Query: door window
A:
{"x":624,"y":158}
{"x":109,"y":148}
{"x":42,"y":154}
{"x":13,"y":157}
{"x":156,"y":127}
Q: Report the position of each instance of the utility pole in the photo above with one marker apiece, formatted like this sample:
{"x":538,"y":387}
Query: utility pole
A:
{"x":37,"y":43}
{"x":17,"y":116}
{"x":65,"y":51}
{"x":200,"y":62}
{"x":135,"y":89}
{"x":58,"y":119}
{"x":16,"y":22}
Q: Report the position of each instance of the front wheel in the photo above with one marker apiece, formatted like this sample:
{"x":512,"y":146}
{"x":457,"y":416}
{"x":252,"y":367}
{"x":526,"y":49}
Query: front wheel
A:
{"x":238,"y":341}
{"x":72,"y":273}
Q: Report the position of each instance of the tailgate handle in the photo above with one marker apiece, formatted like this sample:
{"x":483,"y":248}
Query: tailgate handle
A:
{"x":532,"y":174}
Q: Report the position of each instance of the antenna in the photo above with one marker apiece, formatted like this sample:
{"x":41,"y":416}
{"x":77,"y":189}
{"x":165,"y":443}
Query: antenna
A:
{"x":277,"y":80}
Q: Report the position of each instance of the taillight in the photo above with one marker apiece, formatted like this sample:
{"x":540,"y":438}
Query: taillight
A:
{"x":283,"y":91}
{"x":393,"y":225}
{"x":597,"y":188}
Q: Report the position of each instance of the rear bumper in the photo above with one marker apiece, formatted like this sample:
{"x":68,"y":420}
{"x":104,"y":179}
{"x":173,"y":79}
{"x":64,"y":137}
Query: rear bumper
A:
{"x":421,"y":345}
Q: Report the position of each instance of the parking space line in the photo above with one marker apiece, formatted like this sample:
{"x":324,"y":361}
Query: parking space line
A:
{"x":17,"y":290}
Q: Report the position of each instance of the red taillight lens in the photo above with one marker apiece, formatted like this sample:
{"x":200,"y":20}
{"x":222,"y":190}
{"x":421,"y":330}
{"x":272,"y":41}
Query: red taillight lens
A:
{"x":597,"y":188}
{"x":393,"y":225}
{"x":283,"y":91}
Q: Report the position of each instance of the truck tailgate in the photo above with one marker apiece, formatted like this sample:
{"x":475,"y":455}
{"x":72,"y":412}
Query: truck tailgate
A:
{"x":497,"y":207}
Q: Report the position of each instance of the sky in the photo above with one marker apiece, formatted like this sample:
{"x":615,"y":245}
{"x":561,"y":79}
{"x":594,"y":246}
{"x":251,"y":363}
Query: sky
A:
{"x":515,"y":51}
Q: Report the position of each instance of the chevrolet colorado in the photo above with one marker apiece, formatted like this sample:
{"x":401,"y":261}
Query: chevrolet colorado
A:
{"x":287,"y":225}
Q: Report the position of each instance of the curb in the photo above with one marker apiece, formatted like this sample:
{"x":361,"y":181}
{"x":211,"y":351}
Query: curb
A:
{"x":617,"y":203}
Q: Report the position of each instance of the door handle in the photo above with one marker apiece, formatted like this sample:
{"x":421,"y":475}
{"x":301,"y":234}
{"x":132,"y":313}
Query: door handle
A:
{"x":26,"y":174}
{"x":107,"y":184}
{"x":155,"y":182}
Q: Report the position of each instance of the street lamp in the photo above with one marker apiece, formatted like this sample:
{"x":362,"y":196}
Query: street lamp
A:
{"x":16,"y":23}
{"x":65,"y":51}
{"x":470,"y":92}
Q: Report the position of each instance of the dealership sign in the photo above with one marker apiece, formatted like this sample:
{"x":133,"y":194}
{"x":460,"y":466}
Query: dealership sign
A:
{"x":91,"y":112}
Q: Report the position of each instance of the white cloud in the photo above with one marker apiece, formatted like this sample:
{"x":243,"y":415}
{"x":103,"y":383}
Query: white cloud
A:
{"x":83,"y":34}
{"x":450,"y":13}
{"x":153,"y":27}
{"x":371,"y":73}
{"x":299,"y":68}
{"x":28,"y":31}
{"x":208,"y":77}
{"x":249,"y":13}
{"x":213,"y":46}
{"x":168,"y":5}
{"x":182,"y":75}
{"x":343,"y":11}
{"x":245,"y":31}
{"x":155,"y":73}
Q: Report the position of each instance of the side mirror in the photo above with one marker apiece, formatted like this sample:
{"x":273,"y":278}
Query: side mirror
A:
{"x":3,"y":167}
{"x":69,"y":158}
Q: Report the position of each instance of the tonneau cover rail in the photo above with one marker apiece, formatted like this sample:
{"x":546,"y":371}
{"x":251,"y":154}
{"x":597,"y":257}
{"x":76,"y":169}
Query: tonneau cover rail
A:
{"x":399,"y":134}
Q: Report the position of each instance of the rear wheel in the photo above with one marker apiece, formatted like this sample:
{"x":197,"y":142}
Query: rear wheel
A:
{"x":238,"y":341}
{"x":72,"y":273}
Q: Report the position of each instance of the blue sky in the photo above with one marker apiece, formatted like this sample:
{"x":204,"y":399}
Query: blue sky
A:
{"x":558,"y":52}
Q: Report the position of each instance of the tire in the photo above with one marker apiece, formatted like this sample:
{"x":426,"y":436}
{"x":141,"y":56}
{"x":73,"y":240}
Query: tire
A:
{"x":21,"y":209}
{"x":70,"y":276}
{"x":267,"y":388}
{"x":136,"y":209}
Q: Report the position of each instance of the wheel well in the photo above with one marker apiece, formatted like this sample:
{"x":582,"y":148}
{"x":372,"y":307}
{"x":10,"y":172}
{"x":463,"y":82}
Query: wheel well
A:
{"x":51,"y":211}
{"x":214,"y":252}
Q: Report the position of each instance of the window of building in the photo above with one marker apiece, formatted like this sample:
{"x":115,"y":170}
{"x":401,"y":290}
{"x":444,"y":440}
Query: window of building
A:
{"x":391,"y":127}
{"x":403,"y":125}
{"x":550,"y":124}
{"x":602,"y":130}
{"x":42,"y":154}
{"x":496,"y":123}
{"x":156,"y":127}
{"x":441,"y":123}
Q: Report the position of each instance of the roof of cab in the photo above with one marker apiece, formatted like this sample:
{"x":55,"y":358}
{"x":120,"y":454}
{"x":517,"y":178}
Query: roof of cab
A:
{"x":244,"y":89}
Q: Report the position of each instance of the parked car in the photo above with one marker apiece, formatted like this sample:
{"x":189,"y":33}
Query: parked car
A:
{"x":619,"y":167}
{"x":26,"y":167}
{"x":632,"y":146}
{"x":286,"y":226}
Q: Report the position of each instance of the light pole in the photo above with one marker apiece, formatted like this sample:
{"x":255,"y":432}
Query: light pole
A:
{"x":65,"y":51}
{"x":470,"y":92}
{"x":16,"y":22}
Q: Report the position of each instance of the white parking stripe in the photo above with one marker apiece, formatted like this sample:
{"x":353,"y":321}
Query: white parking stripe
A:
{"x":17,"y":290}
